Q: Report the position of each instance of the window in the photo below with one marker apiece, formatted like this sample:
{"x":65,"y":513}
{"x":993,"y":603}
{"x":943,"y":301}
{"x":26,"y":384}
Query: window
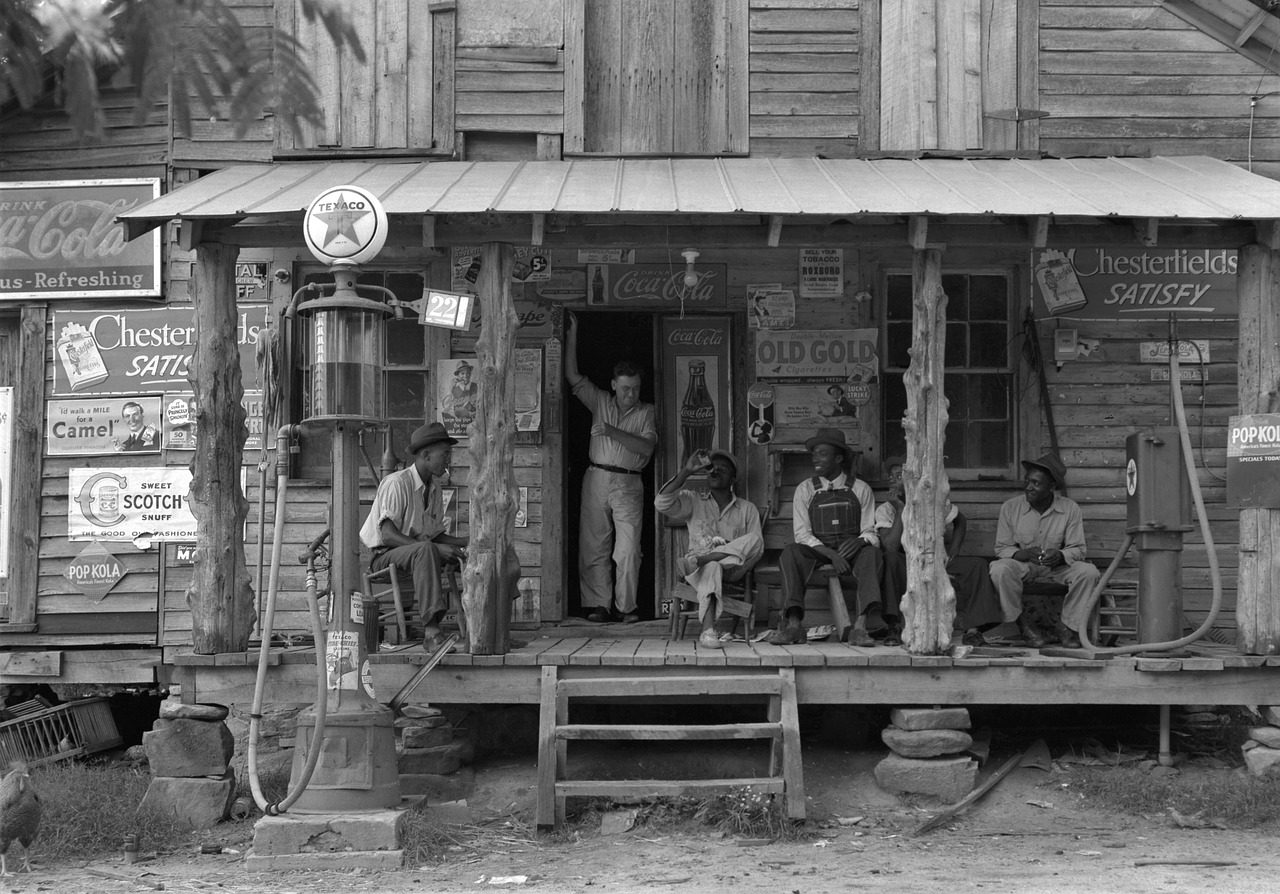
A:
{"x":979,"y":372}
{"x":406,"y":375}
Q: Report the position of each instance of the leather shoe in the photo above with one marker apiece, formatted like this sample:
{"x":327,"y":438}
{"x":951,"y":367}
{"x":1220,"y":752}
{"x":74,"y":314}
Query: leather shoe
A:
{"x":973,"y":637}
{"x":859,"y":637}
{"x":1030,"y":635}
{"x":893,"y":637}
{"x":1068,"y":637}
{"x":787,"y":635}
{"x":599,"y":616}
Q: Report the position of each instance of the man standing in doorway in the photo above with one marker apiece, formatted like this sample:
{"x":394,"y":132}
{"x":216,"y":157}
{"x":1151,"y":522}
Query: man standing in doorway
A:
{"x":623,"y":437}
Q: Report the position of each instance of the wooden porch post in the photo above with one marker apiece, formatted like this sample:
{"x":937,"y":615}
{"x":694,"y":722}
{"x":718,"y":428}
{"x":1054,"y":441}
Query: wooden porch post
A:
{"x":1258,"y":594}
{"x":929,"y":607}
{"x":27,"y":461}
{"x":221,"y":600}
{"x":486,"y":583}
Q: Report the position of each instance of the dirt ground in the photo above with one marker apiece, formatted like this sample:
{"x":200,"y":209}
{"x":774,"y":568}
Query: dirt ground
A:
{"x":1029,"y":834}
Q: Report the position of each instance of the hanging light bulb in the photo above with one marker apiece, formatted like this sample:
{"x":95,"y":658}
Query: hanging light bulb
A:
{"x":690,"y":275}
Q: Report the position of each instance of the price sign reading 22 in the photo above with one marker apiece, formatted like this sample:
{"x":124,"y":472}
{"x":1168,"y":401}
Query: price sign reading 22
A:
{"x":452,"y":310}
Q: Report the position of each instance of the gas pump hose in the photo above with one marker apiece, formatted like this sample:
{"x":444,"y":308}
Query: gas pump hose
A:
{"x":317,"y":628}
{"x":1202,"y":517}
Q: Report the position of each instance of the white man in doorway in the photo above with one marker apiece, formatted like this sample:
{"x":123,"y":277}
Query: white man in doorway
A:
{"x":406,"y":527}
{"x":725,"y":539}
{"x":1040,"y":536}
{"x":142,"y":435}
{"x":623,"y":437}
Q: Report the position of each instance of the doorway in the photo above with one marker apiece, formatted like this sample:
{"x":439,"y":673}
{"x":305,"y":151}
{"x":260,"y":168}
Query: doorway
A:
{"x":605,"y":338}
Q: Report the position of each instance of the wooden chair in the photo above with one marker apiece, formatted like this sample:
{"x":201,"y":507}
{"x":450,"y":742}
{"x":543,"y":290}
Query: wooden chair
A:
{"x":396,"y":617}
{"x":741,"y":604}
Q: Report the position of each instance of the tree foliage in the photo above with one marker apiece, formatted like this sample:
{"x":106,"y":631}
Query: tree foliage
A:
{"x":195,"y":54}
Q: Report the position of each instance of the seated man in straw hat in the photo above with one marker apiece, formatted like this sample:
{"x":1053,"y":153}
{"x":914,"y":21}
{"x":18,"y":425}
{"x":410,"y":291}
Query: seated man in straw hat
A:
{"x":1040,"y":536}
{"x":724,"y":533}
{"x":833,"y":522}
{"x":406,"y":528}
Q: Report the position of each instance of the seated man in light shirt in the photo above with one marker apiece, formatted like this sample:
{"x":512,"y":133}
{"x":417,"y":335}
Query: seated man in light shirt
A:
{"x":725,"y":539}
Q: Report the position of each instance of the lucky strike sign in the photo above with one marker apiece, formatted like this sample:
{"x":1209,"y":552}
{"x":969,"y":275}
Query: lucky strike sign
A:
{"x":60,"y":239}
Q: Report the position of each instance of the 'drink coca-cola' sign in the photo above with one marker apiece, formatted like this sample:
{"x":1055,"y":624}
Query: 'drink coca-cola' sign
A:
{"x":626,"y":286}
{"x":60,"y":239}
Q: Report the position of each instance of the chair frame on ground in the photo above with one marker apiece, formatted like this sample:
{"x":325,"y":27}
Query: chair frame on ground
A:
{"x":396,"y":618}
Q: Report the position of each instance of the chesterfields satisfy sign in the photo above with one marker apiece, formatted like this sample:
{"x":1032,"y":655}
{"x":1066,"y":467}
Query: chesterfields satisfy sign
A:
{"x":60,"y":239}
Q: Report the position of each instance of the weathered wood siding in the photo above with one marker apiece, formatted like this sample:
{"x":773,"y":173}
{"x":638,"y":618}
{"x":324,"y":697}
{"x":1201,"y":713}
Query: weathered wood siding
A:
{"x":1128,"y":77}
{"x":804,"y":65}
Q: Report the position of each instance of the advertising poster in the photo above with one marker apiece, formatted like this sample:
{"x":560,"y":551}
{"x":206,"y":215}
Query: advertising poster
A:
{"x":832,"y":357}
{"x":815,"y":406}
{"x":6,"y":474}
{"x":60,"y":239}
{"x":522,"y":507}
{"x":457,"y":393}
{"x":770,"y":306}
{"x":530,"y":265}
{"x":178,"y":420}
{"x":695,"y":383}
{"x":136,"y":351}
{"x":91,"y":426}
{"x":660,"y":286}
{"x":1127,"y":283}
{"x":1253,"y":461}
{"x":528,"y":607}
{"x":95,"y":571}
{"x":760,"y":424}
{"x":821,"y":272}
{"x":528,"y":395}
{"x":129,"y":504}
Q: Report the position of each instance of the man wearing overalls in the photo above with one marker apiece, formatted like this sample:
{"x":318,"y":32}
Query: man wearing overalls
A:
{"x":833,"y":522}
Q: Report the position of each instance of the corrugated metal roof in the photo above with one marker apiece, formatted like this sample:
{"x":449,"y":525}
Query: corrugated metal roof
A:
{"x":1182,"y":187}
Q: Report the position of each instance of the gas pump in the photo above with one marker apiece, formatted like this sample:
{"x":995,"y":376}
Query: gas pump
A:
{"x":345,"y":758}
{"x":1158,"y":515}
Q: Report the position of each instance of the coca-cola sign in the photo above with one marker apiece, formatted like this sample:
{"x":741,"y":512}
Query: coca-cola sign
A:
{"x":60,"y":239}
{"x":697,"y":336}
{"x":665,"y":286}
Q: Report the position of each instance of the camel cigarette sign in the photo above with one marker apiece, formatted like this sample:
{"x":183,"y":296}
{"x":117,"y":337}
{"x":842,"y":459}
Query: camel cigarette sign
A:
{"x":60,"y":239}
{"x":129,"y":504}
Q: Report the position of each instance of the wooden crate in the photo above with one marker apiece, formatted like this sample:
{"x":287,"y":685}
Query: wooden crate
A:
{"x":58,"y":732}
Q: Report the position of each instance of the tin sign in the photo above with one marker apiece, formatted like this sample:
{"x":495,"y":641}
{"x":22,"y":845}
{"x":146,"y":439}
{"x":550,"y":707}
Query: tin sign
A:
{"x":95,"y":571}
{"x":817,"y":356}
{"x":1253,"y":461}
{"x":89,"y":426}
{"x":345,"y":225}
{"x":1189,"y":351}
{"x":60,"y":239}
{"x":129,"y":504}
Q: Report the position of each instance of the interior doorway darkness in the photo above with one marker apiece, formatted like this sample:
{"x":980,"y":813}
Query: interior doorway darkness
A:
{"x":604,"y":338}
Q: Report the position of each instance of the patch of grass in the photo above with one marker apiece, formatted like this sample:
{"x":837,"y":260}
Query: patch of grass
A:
{"x":742,"y":813}
{"x":89,"y":807}
{"x":1230,"y":796}
{"x":428,"y":842}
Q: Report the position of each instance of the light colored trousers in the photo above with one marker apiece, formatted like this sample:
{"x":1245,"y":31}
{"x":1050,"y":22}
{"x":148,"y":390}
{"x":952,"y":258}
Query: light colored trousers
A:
{"x":708,"y":581}
{"x":609,"y":535}
{"x":1080,"y":578}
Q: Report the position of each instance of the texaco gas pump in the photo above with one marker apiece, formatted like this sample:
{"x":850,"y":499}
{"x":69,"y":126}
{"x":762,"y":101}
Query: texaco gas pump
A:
{"x":342,"y":342}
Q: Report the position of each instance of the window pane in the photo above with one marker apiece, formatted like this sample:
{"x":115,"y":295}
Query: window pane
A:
{"x":405,"y":395}
{"x":988,"y":397}
{"x":988,"y":298}
{"x":990,"y":344}
{"x":955,"y":389}
{"x":895,"y":398}
{"x":991,"y":444}
{"x":953,"y":451}
{"x":957,"y":353}
{"x":957,"y":297}
{"x":898,"y":300}
{"x":897,"y":342}
{"x":405,"y":343}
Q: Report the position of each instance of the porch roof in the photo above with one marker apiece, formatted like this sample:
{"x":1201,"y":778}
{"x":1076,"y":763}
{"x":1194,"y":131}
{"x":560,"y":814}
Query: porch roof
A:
{"x":1187,"y":187}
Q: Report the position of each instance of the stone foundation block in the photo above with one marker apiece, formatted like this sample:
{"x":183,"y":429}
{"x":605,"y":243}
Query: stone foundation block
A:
{"x":1266,"y":735}
{"x":318,"y":834}
{"x":1271,"y":714}
{"x":440,"y":760}
{"x":926,"y":742}
{"x":180,"y":747}
{"x":344,"y":862}
{"x":946,"y":778}
{"x":195,"y":803}
{"x":930,"y":718}
{"x":424,"y":737}
{"x":1263,"y":761}
{"x":437,"y":788}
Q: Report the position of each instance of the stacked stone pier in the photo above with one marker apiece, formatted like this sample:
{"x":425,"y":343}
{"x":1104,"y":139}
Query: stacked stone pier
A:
{"x":927,"y":753}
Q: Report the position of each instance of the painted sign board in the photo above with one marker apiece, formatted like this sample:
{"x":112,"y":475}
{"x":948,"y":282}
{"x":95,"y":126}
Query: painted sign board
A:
{"x":95,"y":571}
{"x":1253,"y":461}
{"x":179,"y":420}
{"x":696,"y":382}
{"x":90,"y":426}
{"x":1118,"y":284}
{"x":6,"y":474}
{"x":131,"y":351}
{"x":821,"y":272}
{"x":1190,"y":350}
{"x":617,"y":285}
{"x":129,"y":504}
{"x":817,"y":356}
{"x":60,"y":239}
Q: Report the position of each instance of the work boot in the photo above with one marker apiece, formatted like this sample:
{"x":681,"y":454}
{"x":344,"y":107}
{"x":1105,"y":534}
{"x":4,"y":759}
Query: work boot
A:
{"x":1068,"y":637}
{"x":1029,"y":633}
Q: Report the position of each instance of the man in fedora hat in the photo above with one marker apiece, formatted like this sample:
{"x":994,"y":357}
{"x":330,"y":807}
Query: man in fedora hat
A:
{"x":724,"y":533}
{"x":1040,"y":536}
{"x":833,"y":522}
{"x":406,"y":526}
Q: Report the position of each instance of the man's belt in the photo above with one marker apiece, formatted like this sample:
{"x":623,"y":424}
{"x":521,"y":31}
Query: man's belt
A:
{"x":618,"y":469}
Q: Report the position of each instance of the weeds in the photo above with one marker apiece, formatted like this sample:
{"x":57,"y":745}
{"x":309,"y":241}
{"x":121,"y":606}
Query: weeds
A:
{"x":741,"y":813}
{"x":1230,"y":796}
{"x":427,"y":841}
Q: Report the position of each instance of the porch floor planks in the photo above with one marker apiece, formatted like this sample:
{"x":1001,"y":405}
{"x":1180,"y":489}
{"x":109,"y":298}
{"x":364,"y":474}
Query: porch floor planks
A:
{"x":593,"y":652}
{"x":559,"y":653}
{"x":651,"y":652}
{"x":621,"y":653}
{"x":740,"y":654}
{"x":528,"y":656}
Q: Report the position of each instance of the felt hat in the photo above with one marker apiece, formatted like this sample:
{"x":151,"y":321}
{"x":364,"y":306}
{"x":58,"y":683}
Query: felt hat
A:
{"x":464,"y":365}
{"x":725,"y":454}
{"x":431,"y":433}
{"x":1050,"y":463}
{"x":832,"y":436}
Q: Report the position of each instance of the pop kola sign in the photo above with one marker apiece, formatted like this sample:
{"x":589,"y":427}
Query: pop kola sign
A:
{"x":132,"y":351}
{"x":95,"y":571}
{"x":1117,"y":284}
{"x":60,"y":239}
{"x":129,"y":504}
